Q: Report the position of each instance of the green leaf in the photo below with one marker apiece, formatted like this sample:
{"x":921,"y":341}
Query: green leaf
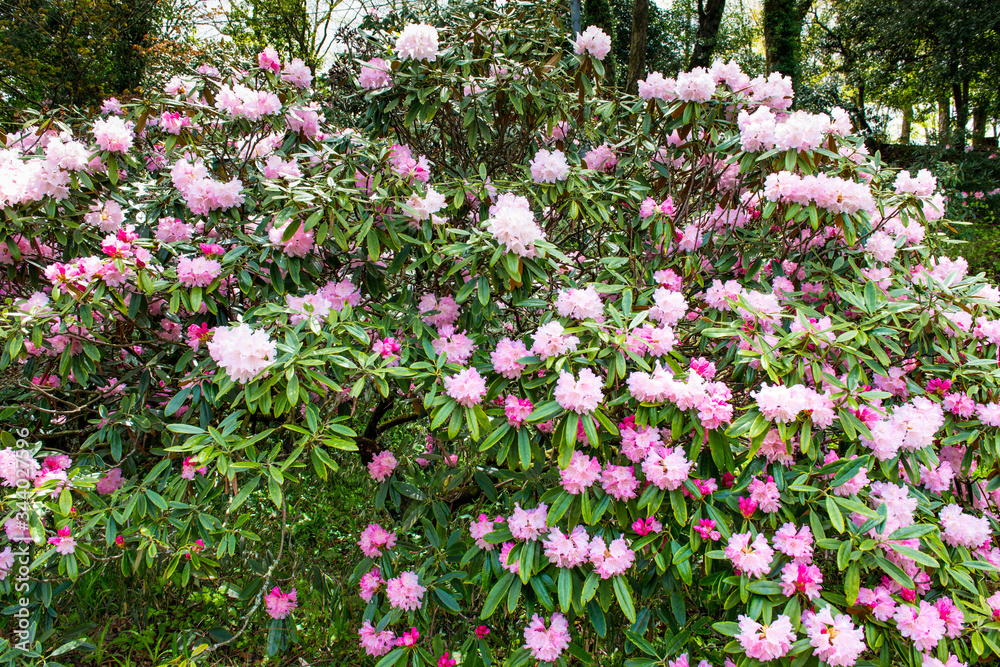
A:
{"x":913,"y":554}
{"x":390,"y":659}
{"x":727,"y":628}
{"x":764,"y":587}
{"x":243,"y":494}
{"x":564,"y":586}
{"x":624,"y":594}
{"x":836,"y":518}
{"x":496,"y":594}
{"x":545,"y":412}
{"x":848,"y":472}
{"x":447,"y":599}
{"x":895,"y":572}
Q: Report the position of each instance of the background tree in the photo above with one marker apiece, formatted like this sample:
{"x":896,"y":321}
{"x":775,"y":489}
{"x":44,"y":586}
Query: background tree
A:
{"x":637,"y":48}
{"x":709,"y":21}
{"x":783,"y":22}
{"x":300,"y":28}
{"x":61,"y":52}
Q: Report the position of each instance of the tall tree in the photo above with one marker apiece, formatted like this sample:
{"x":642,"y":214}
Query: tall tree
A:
{"x":637,"y":48}
{"x":783,"y":21}
{"x":709,"y":21}
{"x":69,"y":52}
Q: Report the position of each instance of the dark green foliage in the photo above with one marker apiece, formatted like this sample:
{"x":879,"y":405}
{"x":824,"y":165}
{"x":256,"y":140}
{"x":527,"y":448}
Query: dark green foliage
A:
{"x":783,"y":21}
{"x":59,"y":52}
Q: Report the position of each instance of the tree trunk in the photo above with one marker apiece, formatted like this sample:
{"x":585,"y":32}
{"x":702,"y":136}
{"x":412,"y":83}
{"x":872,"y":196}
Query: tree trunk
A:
{"x":709,"y":20}
{"x":904,"y":133}
{"x":944,"y":119}
{"x":960,"y":91}
{"x":979,"y":118}
{"x":862,"y":119}
{"x":637,"y":47}
{"x":783,"y":21}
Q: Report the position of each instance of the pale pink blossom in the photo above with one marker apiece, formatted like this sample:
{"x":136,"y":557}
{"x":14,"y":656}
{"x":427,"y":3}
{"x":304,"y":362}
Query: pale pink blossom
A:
{"x":582,"y":395}
{"x":835,"y":639}
{"x":547,"y":643}
{"x":766,"y":642}
{"x":418,"y":41}
{"x":594,"y":41}
{"x":580,"y":474}
{"x":381,"y":466}
{"x":750,"y":555}
{"x":468,"y":387}
{"x":405,"y":592}
{"x":610,"y":559}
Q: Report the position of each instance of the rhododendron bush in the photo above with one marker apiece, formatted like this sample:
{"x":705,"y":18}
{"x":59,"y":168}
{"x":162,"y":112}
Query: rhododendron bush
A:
{"x":688,"y":375}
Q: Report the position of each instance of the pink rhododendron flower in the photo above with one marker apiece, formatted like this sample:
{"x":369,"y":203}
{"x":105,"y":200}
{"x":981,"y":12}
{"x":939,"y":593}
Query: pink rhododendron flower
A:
{"x":114,"y":134}
{"x":879,"y":600}
{"x":954,"y":619}
{"x":594,"y":41}
{"x":566,"y":551}
{"x":408,"y":638}
{"x":801,"y":578}
{"x":370,"y":584}
{"x":479,"y":529}
{"x":582,"y":395}
{"x":418,"y":41}
{"x":242,"y":352}
{"x":706,"y":528}
{"x":110,"y":482}
{"x":765,"y":494}
{"x":750,"y":555}
{"x":197,"y":271}
{"x":580,"y":304}
{"x":602,"y":158}
{"x":547,"y":643}
{"x":467,"y":387}
{"x":63,"y":541}
{"x":279,"y":605}
{"x":405,"y":592}
{"x":647,"y":526}
{"x":550,"y":341}
{"x":619,"y":481}
{"x":667,"y":468}
{"x":374,"y":75}
{"x":960,"y":529}
{"x":444,"y":311}
{"x":268,"y":59}
{"x":382,"y":465}
{"x":528,"y":524}
{"x":766,"y":642}
{"x":657,"y":87}
{"x":374,"y":538}
{"x":835,"y":639}
{"x":517,"y":410}
{"x":610,"y":559}
{"x":549,"y":166}
{"x":513,"y":224}
{"x":922,"y":624}
{"x":375,"y":644}
{"x":796,"y":544}
{"x":297,"y":73}
{"x":695,"y":86}
{"x":505,"y":355}
{"x":580,"y":474}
